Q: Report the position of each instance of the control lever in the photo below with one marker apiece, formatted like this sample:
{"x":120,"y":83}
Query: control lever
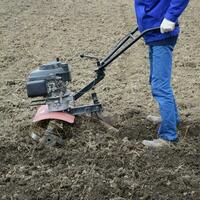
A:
{"x":91,"y":57}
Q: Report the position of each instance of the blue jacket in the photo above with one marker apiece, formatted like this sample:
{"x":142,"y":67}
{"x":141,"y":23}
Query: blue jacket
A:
{"x":150,"y":14}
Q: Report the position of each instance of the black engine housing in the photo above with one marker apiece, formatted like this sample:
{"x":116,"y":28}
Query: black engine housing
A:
{"x":37,"y":83}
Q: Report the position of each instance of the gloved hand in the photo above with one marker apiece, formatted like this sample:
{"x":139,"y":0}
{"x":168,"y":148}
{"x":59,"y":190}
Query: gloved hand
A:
{"x":167,"y":26}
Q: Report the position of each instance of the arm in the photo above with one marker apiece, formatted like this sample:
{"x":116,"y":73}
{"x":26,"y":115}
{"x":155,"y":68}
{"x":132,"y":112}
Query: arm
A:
{"x":171,"y":17}
{"x":175,"y":9}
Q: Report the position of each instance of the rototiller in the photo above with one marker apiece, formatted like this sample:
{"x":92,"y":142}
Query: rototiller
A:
{"x":50,"y":82}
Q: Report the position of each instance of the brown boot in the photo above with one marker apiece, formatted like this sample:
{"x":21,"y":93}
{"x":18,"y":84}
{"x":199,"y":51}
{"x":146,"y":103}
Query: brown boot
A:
{"x":154,"y":119}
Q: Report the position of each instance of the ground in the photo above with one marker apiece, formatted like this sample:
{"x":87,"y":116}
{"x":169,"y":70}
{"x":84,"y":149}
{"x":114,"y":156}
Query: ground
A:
{"x":95,"y":163}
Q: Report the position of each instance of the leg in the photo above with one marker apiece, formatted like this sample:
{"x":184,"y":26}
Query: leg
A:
{"x":162,"y":91}
{"x":155,"y":119}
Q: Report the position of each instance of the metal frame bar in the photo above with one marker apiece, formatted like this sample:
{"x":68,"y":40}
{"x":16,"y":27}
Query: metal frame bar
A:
{"x":85,"y":109}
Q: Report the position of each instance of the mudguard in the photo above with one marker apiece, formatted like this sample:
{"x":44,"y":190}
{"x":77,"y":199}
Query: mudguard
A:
{"x":44,"y":114}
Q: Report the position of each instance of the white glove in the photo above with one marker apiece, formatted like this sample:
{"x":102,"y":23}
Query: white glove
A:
{"x":167,"y":26}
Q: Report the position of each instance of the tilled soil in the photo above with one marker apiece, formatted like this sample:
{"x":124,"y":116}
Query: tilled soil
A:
{"x":95,"y":162}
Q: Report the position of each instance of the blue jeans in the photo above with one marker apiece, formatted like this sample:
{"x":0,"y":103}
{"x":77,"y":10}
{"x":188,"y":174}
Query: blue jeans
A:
{"x":160,"y":57}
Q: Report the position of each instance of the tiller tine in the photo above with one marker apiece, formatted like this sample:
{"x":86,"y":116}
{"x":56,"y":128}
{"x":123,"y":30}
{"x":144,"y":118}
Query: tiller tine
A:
{"x":47,"y":133}
{"x":106,"y":121}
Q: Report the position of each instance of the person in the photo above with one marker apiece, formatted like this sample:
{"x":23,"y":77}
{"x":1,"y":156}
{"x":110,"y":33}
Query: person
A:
{"x":163,"y":14}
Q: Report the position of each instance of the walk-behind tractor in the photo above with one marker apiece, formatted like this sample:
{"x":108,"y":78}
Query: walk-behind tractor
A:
{"x":50,"y":82}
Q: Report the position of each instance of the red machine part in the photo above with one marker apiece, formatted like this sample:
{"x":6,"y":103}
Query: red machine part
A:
{"x":44,"y":114}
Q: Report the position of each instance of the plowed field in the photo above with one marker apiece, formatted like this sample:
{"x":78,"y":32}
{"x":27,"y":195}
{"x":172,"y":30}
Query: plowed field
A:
{"x":95,"y":163}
